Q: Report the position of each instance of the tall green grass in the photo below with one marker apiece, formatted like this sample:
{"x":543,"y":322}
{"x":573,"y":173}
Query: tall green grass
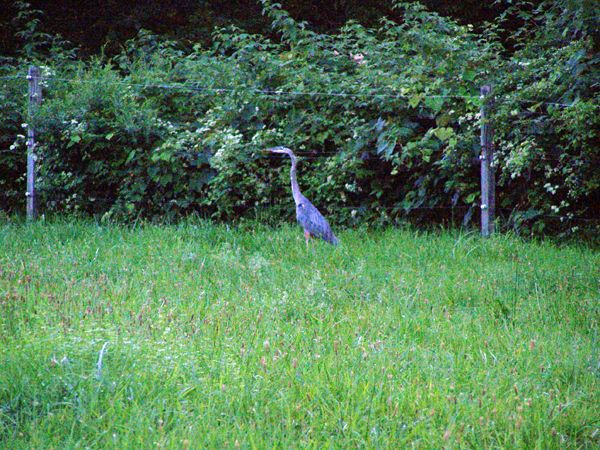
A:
{"x":225,"y":338}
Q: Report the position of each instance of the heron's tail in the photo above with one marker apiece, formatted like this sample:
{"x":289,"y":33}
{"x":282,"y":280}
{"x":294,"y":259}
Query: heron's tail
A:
{"x":332,"y":240}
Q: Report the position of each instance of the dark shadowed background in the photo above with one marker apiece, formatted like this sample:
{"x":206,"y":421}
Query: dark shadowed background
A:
{"x":92,"y":24}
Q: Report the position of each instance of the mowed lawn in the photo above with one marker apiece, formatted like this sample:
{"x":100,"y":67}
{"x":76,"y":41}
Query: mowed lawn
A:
{"x":218,"y":337}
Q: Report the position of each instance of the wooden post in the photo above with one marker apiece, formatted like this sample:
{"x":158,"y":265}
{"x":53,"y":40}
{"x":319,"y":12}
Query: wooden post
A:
{"x":35,"y":98}
{"x":488,"y":188}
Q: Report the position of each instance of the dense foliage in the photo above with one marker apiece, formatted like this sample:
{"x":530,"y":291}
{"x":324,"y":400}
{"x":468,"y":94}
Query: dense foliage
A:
{"x":385,"y":120}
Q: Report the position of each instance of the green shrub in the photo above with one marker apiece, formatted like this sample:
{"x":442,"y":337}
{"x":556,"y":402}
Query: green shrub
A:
{"x":385,"y":122}
{"x":12,"y":136}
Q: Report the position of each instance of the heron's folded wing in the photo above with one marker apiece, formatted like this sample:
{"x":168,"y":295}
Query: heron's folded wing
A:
{"x":314,"y":222}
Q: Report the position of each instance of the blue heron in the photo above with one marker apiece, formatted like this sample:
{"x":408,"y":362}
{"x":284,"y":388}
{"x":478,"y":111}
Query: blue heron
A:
{"x":309,"y":217}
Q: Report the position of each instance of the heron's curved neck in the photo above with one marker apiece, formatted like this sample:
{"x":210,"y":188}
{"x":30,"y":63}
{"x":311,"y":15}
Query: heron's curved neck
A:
{"x":295,"y":187}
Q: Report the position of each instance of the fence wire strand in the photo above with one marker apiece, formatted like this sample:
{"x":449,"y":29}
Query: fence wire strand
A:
{"x":193,"y":86}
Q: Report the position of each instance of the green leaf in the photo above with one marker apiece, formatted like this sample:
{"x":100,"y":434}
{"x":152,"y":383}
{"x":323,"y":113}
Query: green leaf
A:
{"x":471,"y":197}
{"x":74,"y":140}
{"x":443,"y":133}
{"x":130,"y":157}
{"x":405,"y":131}
{"x":434,"y":103}
{"x":469,"y":75}
{"x":322,"y":136}
{"x":415,"y":100}
{"x":386,"y":147}
{"x":109,"y":136}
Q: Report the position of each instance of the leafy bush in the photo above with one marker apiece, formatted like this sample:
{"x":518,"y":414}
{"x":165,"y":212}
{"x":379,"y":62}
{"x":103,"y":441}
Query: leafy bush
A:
{"x":548,"y":122}
{"x":385,"y":122}
{"x":12,"y":164}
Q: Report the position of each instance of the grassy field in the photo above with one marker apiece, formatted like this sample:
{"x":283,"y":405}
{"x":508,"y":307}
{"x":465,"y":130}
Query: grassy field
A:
{"x":226,"y":338}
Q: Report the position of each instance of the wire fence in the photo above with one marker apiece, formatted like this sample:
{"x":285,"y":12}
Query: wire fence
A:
{"x":195,"y":86}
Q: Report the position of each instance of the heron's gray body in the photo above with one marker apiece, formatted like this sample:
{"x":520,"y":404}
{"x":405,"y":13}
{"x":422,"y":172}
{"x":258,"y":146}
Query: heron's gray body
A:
{"x":307,"y":214}
{"x":313,"y":221}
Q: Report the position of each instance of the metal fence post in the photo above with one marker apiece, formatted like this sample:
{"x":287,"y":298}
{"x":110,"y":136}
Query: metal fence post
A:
{"x":35,"y":98}
{"x":488,"y":188}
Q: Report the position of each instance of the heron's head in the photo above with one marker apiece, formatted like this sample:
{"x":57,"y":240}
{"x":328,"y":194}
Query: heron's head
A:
{"x":281,"y":150}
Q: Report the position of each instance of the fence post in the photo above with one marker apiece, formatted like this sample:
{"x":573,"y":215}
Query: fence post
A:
{"x":35,"y":98}
{"x":488,"y":188}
